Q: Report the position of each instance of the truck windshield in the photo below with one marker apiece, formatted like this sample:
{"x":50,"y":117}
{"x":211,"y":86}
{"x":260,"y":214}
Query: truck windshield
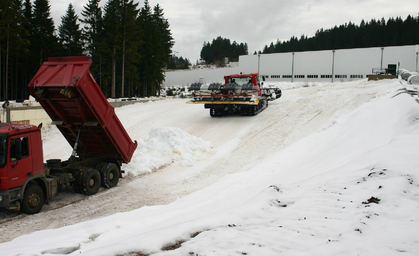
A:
{"x":3,"y":151}
{"x":241,"y":80}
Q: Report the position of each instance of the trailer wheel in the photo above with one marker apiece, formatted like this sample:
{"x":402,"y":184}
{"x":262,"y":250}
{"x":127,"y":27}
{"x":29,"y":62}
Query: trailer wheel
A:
{"x":33,"y":199}
{"x":110,"y":175}
{"x":90,"y":181}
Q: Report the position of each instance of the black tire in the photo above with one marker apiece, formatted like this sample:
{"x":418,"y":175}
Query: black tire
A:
{"x":90,"y":181}
{"x":278,"y":94}
{"x":110,"y":175}
{"x":33,"y":199}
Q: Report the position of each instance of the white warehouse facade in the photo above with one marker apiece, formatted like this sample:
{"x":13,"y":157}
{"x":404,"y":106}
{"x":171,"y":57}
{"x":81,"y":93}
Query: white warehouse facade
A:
{"x":312,"y":66}
{"x":330,"y":65}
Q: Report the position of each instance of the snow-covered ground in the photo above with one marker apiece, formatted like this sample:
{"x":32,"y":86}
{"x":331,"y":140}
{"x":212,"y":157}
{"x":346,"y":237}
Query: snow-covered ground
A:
{"x":328,"y":169}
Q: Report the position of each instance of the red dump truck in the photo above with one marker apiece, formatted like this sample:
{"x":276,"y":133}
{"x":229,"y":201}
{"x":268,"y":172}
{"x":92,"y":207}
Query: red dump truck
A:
{"x":67,"y":91}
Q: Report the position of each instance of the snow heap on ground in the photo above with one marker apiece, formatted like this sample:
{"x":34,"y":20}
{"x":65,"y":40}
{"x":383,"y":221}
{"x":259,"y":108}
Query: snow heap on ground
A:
{"x":289,"y":86}
{"x":165,"y":146}
{"x":350,"y":189}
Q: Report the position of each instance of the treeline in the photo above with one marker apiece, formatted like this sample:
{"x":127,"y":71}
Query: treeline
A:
{"x":129,"y":46}
{"x":178,"y":63}
{"x":376,"y":33}
{"x":220,"y":48}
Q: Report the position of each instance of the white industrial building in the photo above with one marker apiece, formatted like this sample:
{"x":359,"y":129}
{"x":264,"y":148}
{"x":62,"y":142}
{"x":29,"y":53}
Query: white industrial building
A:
{"x":313,"y":66}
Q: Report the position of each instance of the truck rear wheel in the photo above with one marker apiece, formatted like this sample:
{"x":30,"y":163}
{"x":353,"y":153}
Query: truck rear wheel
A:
{"x":33,"y":199}
{"x":90,"y":181}
{"x":110,"y":175}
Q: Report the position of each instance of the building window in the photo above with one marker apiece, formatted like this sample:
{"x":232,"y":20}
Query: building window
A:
{"x":312,"y":76}
{"x":357,"y":76}
{"x":287,"y":76}
{"x":326,"y":76}
{"x":341,"y":76}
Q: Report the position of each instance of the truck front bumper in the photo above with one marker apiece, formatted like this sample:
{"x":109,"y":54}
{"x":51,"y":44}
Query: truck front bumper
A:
{"x":4,"y":199}
{"x":7,"y":197}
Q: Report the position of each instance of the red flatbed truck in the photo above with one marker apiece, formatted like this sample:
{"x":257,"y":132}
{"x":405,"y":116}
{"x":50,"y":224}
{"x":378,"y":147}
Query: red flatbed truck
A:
{"x":67,"y":91}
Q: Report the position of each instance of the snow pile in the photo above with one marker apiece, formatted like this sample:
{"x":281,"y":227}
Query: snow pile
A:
{"x":289,"y":86}
{"x":165,"y":146}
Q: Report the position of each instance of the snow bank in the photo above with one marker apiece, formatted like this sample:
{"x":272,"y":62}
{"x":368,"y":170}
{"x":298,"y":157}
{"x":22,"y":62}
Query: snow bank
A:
{"x":290,"y":86}
{"x":350,"y":189}
{"x":165,"y":146}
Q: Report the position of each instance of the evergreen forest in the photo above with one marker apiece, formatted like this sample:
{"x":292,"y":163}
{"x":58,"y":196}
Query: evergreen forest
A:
{"x":215,"y":52}
{"x":375,"y":33}
{"x":178,"y":63}
{"x":130,"y":46}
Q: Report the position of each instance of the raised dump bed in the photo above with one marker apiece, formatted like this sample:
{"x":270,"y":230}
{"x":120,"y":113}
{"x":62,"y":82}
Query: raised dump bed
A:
{"x":69,"y":94}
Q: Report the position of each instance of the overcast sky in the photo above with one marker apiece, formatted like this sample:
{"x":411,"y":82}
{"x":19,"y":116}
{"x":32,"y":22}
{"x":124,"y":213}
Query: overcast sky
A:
{"x":257,"y":23}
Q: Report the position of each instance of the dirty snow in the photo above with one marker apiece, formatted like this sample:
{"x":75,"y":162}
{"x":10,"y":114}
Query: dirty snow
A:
{"x":326,"y":170}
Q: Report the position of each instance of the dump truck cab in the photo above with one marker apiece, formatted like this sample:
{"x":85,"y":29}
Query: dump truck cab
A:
{"x":21,"y":161}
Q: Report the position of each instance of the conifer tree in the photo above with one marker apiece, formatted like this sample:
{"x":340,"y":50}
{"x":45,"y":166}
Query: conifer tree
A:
{"x":130,"y":42}
{"x":113,"y":40}
{"x":92,"y":35}
{"x":220,"y":48}
{"x":156,"y":48}
{"x":70,"y":35}
{"x":163,"y":45}
{"x":12,"y":47}
{"x":375,"y":33}
{"x":122,"y":38}
{"x":146,"y":66}
{"x":44,"y":43}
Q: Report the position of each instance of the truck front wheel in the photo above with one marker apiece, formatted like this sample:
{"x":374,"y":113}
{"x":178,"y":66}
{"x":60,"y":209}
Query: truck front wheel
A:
{"x":110,"y":175}
{"x":33,"y":199}
{"x":90,"y":182}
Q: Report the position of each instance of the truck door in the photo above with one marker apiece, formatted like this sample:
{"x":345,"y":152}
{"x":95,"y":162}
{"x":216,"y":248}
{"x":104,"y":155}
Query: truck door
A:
{"x":20,"y":164}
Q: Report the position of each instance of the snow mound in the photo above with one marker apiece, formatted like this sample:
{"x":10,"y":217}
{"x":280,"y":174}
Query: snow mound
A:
{"x":165,"y":146}
{"x":290,"y":86}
